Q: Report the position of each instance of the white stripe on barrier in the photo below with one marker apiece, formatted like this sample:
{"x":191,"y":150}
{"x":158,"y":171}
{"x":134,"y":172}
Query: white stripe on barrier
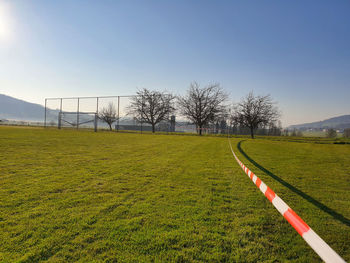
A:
{"x":315,"y":242}
{"x":263,"y":187}
{"x":280,"y":205}
{"x":254,"y":178}
{"x":321,"y":247}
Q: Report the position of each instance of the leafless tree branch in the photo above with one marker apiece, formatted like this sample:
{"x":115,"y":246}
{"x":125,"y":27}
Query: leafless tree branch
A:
{"x":108,"y":115}
{"x":151,"y":107}
{"x":202,"y":105}
{"x":254,"y":112}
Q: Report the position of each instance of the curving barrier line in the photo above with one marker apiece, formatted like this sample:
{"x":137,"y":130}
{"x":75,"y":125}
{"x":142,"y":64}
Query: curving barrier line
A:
{"x":315,"y":242}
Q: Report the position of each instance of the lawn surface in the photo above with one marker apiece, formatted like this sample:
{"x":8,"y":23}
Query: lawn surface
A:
{"x":81,"y":196}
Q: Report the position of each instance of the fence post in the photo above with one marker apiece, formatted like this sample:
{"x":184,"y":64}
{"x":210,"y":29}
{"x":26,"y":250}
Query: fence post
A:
{"x":95,"y":122}
{"x":96,"y":115}
{"x":59,"y":120}
{"x":168,"y":122}
{"x":118,"y":114}
{"x":78,"y":115}
{"x":60,"y":115}
{"x":141,"y":112}
{"x":45,"y":114}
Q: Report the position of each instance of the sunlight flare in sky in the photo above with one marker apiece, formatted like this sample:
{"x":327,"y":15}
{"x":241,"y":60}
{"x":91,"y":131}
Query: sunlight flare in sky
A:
{"x":5,"y":22}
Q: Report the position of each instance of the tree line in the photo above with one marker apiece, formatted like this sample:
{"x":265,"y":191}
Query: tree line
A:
{"x":202,"y":106}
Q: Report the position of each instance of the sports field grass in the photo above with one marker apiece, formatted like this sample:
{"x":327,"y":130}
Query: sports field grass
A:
{"x":81,"y":196}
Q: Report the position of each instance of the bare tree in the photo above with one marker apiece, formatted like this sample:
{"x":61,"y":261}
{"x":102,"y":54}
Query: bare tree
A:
{"x":108,"y":115}
{"x":255,"y":111}
{"x":151,"y":107}
{"x":203,"y":105}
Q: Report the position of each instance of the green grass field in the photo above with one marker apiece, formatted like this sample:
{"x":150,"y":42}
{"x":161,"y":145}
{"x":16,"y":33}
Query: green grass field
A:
{"x":81,"y":196}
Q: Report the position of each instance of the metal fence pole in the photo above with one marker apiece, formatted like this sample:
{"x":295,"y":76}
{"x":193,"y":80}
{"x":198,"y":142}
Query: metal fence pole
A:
{"x":168,"y":122}
{"x":78,"y":115}
{"x":60,"y":115}
{"x":95,"y":123}
{"x":118,"y":113}
{"x":97,"y":105}
{"x":96,"y":114}
{"x":59,"y":120}
{"x":45,"y":114}
{"x":141,"y":112}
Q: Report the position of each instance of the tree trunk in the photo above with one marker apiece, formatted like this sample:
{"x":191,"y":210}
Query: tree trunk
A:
{"x":110,"y":126}
{"x":153,"y":127}
{"x":252,"y":132}
{"x":200,"y":130}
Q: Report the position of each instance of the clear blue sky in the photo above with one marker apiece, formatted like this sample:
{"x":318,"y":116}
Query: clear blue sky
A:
{"x":297,"y":51}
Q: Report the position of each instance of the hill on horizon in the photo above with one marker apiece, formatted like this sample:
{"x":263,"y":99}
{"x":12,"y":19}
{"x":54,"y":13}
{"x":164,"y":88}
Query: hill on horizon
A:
{"x":340,"y":122}
{"x":20,"y":110}
{"x":16,"y":109}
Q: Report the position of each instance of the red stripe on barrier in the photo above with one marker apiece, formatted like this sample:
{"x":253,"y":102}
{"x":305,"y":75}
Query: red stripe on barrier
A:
{"x":296,"y":221}
{"x":258,"y":182}
{"x":251,"y":175}
{"x":270,"y":194}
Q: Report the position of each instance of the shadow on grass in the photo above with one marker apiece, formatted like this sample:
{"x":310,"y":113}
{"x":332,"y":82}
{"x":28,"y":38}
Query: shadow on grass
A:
{"x":310,"y":199}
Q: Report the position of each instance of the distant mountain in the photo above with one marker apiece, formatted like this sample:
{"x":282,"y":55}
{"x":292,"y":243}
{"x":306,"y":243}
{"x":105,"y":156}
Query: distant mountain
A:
{"x":20,"y":110}
{"x":341,"y":122}
{"x":15,"y":109}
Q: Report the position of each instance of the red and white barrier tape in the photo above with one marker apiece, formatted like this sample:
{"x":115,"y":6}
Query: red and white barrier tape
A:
{"x":315,"y":242}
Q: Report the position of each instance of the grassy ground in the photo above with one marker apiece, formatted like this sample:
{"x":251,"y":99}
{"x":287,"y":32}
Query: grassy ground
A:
{"x":84,"y":196}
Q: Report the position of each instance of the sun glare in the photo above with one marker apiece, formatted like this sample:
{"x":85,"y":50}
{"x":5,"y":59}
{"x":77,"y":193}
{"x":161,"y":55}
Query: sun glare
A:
{"x":5,"y":32}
